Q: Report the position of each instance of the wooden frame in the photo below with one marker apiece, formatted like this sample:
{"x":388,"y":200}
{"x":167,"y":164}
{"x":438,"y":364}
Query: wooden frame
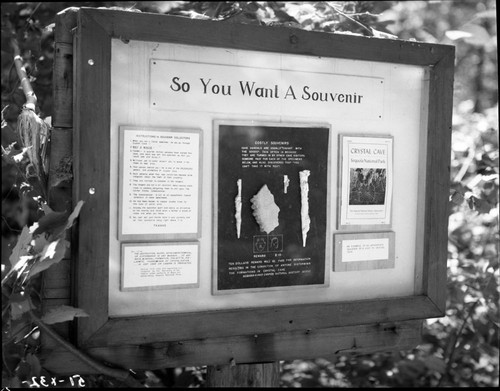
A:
{"x":158,"y":236}
{"x":248,"y":334}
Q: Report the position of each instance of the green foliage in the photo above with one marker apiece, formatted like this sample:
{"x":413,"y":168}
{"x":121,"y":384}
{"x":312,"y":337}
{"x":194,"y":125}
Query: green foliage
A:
{"x":41,"y":242}
{"x":460,"y":349}
{"x":36,"y":250}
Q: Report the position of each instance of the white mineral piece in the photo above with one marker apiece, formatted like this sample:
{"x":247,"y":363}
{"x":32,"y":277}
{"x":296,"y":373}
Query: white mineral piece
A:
{"x":304,"y":202}
{"x":265,"y":210}
{"x":237,"y":205}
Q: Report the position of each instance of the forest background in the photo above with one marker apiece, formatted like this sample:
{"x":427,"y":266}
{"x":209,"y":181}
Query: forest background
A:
{"x":460,"y":349}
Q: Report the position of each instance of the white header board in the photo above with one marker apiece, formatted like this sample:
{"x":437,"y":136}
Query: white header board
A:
{"x":181,"y":85}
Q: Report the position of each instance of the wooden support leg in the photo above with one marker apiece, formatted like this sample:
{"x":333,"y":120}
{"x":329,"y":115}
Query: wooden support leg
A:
{"x":244,"y":375}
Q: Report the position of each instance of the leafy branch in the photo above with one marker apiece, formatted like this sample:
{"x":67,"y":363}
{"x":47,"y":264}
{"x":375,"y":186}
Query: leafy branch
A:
{"x":38,"y":247}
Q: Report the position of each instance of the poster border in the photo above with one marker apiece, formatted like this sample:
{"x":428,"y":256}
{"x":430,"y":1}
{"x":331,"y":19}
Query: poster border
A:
{"x":328,"y":250}
{"x":151,"y":236}
{"x":345,"y":182}
{"x":340,"y":266}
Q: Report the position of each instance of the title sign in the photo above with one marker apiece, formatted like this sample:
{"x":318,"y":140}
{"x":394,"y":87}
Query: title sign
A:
{"x":182,"y":85}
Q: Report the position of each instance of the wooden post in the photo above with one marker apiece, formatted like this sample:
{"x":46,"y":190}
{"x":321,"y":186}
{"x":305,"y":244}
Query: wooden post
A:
{"x":61,"y":141}
{"x":56,"y":280}
{"x":244,"y":375}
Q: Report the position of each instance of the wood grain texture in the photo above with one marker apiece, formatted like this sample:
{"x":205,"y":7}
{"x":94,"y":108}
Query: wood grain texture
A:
{"x":60,"y":273}
{"x":63,"y":69}
{"x":164,"y":28}
{"x":217,"y":324}
{"x":60,"y":169}
{"x":56,"y":281}
{"x":63,"y":329}
{"x":244,"y":375}
{"x":63,"y":85}
{"x":91,"y":167}
{"x":421,"y":200}
{"x":301,"y":344}
{"x":438,"y":179}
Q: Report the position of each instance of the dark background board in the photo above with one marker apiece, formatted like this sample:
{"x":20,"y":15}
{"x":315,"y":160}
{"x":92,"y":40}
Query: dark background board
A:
{"x":240,"y":262}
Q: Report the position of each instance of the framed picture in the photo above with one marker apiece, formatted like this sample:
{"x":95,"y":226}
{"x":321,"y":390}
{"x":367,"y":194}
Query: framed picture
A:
{"x":364,"y":251}
{"x":271,"y":195}
{"x":160,"y":176}
{"x":366,"y":182}
{"x":148,"y":266}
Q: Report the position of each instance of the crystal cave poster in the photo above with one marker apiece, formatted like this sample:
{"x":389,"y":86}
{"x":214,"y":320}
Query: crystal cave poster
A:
{"x":367,"y":178}
{"x":271,"y":199}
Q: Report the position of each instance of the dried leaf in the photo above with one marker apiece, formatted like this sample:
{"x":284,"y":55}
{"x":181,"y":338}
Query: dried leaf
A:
{"x":62,"y":313}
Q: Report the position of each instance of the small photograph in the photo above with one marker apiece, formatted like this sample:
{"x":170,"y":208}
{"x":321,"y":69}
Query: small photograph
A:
{"x":367,"y":186}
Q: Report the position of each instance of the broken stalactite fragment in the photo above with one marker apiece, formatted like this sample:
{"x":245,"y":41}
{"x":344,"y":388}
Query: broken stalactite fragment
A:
{"x":304,"y":209}
{"x":265,"y":210}
{"x":237,"y":205}
{"x":286,"y":182}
